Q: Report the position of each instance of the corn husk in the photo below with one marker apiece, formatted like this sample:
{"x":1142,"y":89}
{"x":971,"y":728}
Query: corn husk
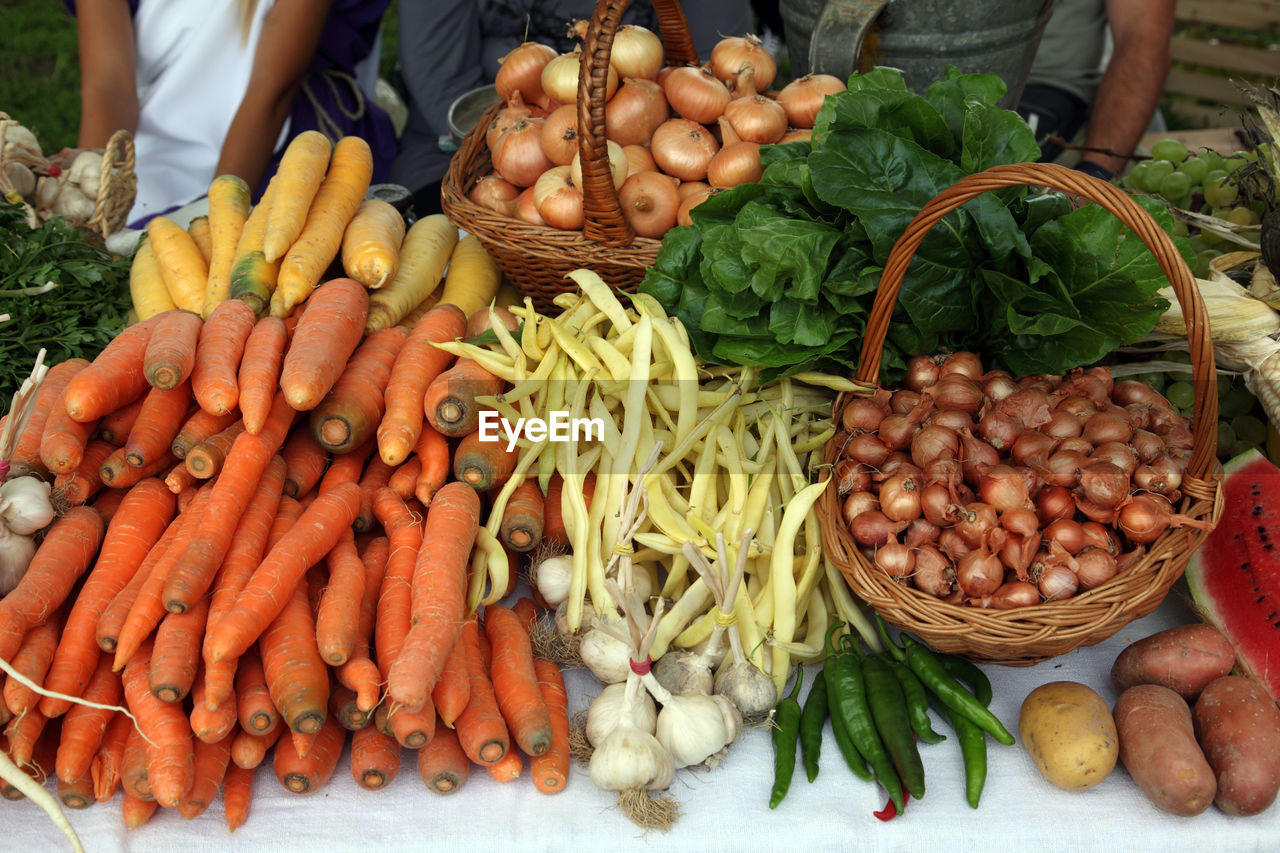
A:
{"x":1235,"y":315}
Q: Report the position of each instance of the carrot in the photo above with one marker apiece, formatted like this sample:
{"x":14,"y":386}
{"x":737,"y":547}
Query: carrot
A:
{"x":249,"y":749}
{"x":162,"y":415}
{"x":237,"y":792}
{"x":182,"y":264}
{"x":442,"y":764}
{"x":416,"y":365}
{"x":481,"y":730}
{"x":527,"y":610}
{"x":371,"y":243}
{"x":108,"y":759}
{"x":350,"y":413}
{"x":473,"y":277}
{"x":25,"y":732}
{"x":395,"y":599}
{"x":376,"y":475}
{"x":135,"y":811}
{"x":253,"y":278}
{"x":298,"y":178}
{"x":200,"y":426}
{"x":214,"y":378}
{"x":411,"y":319}
{"x":170,"y":355}
{"x":114,"y":378}
{"x":255,"y":711}
{"x":210,"y":724}
{"x":424,"y":254}
{"x":147,"y":289}
{"x":84,"y":727}
{"x":335,"y":203}
{"x":86,"y":481}
{"x":550,"y":770}
{"x":111,"y":618}
{"x":32,"y":662}
{"x":198,"y":229}
{"x":553,"y":531}
{"x":170,"y":749}
{"x":176,"y":652}
{"x":433,"y":455}
{"x":450,"y":399}
{"x":26,"y":453}
{"x":453,"y":689}
{"x":522,"y":521}
{"x":507,"y":768}
{"x":117,"y":473}
{"x":114,"y":427}
{"x":106,"y":502}
{"x":325,"y":338}
{"x":260,"y":370}
{"x":305,"y":462}
{"x":411,"y":729}
{"x":76,"y":793}
{"x":483,"y":464}
{"x":404,"y":479}
{"x":346,"y":467}
{"x":68,"y":549}
{"x":228,"y":211}
{"x":179,"y":478}
{"x":338,"y":619}
{"x":515,"y":683}
{"x":205,"y":459}
{"x":375,"y":758}
{"x":359,"y":673}
{"x":344,"y":707}
{"x":64,"y":438}
{"x":295,"y":672}
{"x":210,"y":766}
{"x":308,"y":773}
{"x":133,"y":767}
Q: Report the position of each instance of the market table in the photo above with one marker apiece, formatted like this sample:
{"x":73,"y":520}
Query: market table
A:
{"x":725,"y":808}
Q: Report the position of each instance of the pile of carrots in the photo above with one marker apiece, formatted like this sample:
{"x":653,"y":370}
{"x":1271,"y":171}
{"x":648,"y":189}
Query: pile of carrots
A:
{"x":269,"y":532}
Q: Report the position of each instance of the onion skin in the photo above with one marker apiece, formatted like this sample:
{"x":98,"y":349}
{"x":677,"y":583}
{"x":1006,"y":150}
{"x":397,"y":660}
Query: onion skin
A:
{"x":683,"y":148}
{"x":1011,"y":595}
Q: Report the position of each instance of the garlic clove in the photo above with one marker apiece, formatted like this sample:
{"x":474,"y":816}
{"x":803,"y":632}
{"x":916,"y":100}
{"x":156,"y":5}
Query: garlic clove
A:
{"x":25,"y":506}
{"x":692,"y":728}
{"x":608,"y":658}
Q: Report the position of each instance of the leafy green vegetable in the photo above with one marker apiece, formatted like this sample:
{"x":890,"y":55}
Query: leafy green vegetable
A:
{"x":61,"y":293}
{"x":782,"y":273}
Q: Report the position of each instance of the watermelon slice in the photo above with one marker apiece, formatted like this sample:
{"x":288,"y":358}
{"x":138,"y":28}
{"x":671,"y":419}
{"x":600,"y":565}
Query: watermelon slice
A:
{"x":1234,"y":576}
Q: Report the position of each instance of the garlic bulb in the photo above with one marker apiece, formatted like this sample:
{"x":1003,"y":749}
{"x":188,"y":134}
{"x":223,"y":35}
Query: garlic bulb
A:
{"x":630,"y":757}
{"x":24,"y":504}
{"x":750,"y":689}
{"x":86,"y":172}
{"x":552,"y":577}
{"x":602,"y":716}
{"x":692,"y":728}
{"x":682,"y":671}
{"x":608,"y":658}
{"x":732,"y":716}
{"x":16,"y":551}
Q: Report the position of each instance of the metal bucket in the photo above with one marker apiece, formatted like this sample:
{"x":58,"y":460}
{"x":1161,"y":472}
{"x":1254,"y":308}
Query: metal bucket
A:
{"x":919,"y":37}
{"x":465,"y":112}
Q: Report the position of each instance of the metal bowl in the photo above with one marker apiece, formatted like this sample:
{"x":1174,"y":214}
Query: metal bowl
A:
{"x":466,"y":111}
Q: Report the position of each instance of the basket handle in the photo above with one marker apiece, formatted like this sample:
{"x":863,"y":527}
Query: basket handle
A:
{"x":603,"y":221}
{"x":116,"y":187}
{"x":1205,"y":420}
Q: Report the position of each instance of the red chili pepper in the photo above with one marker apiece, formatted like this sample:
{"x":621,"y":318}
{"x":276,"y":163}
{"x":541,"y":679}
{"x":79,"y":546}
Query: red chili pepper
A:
{"x":890,"y":811}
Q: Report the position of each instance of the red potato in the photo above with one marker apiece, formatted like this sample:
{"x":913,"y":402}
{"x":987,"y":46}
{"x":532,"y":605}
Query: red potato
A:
{"x":1158,"y":747}
{"x":1184,"y":659}
{"x":1238,"y":726}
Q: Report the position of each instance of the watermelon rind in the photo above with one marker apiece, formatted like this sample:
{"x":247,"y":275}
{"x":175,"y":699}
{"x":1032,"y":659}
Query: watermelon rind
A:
{"x":1234,"y":576}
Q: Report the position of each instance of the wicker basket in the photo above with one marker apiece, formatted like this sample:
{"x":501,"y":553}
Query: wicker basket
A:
{"x":534,"y":258}
{"x":1027,"y":635}
{"x":118,"y":186}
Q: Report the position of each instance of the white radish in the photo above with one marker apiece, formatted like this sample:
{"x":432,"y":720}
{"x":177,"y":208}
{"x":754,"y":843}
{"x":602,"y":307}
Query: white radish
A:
{"x":38,"y":794}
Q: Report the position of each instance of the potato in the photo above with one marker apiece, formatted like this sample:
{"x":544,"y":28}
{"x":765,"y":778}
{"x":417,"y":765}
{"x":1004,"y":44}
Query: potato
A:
{"x":1070,"y":734}
{"x":1184,"y":659}
{"x":1158,"y":747}
{"x":1238,"y":726}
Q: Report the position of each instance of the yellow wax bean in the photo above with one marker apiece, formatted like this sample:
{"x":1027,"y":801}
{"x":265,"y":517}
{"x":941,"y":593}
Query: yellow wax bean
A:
{"x":603,"y":296}
{"x":782,"y":578}
{"x":488,"y":563}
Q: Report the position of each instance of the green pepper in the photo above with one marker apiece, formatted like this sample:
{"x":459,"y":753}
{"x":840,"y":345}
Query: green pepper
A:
{"x":917,"y":703}
{"x":893,"y":649}
{"x":847,"y":698}
{"x":973,"y":750}
{"x":852,"y":757}
{"x":962,"y":670}
{"x":888,"y":707}
{"x":929,"y":669}
{"x":786,"y":729}
{"x":812,"y":719}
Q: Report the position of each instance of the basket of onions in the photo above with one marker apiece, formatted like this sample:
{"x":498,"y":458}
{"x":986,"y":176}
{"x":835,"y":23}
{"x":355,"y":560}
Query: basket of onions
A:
{"x":1010,"y":519}
{"x":592,"y":155}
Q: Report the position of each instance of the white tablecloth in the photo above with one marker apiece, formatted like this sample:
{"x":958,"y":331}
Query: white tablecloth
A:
{"x":722,"y":809}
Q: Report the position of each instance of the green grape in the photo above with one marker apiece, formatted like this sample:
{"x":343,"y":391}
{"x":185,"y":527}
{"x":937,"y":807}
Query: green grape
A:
{"x":1203,"y":259}
{"x":1181,"y":394}
{"x":1214,"y":174}
{"x":1249,"y":428}
{"x":1179,"y":228}
{"x":1235,"y":401}
{"x":1174,"y":186}
{"x":1155,"y":379}
{"x":1177,"y":356}
{"x":1242,"y":216}
{"x":1212,"y":160}
{"x":1169,"y":149}
{"x":1219,"y":192}
{"x":1195,"y":169}
{"x":1197,"y":243}
{"x":1226,"y":439}
{"x":1241,"y":447}
{"x":1210,"y":239}
{"x":1136,"y":178}
{"x":1235,"y":162}
{"x":1157,"y":171}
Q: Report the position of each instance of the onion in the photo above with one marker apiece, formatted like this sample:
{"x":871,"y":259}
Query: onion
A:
{"x":956,"y":391}
{"x":1128,"y":391}
{"x":692,"y":200}
{"x":1094,"y":567}
{"x":934,"y":573}
{"x":1090,"y":384}
{"x":900,"y":498}
{"x":635,"y":111}
{"x":617,"y":165}
{"x":756,"y":119}
{"x":1163,"y":476}
{"x":517,"y":152}
{"x":949,"y":418}
{"x":1018,"y":551}
{"x":560,"y":134}
{"x":649,"y":203}
{"x":636,"y":52}
{"x":1062,"y":425}
{"x":934,"y":442}
{"x":1075,"y":445}
{"x":998,"y":384}
{"x":976,"y":456}
{"x":979,"y":573}
{"x":527,"y":210}
{"x":872,"y":528}
{"x":803,"y":97}
{"x":1099,"y":536}
{"x":898,"y":462}
{"x":895,"y":559}
{"x":1065,"y":532}
{"x":1080,"y":408}
{"x":695,"y":93}
{"x":922,"y":371}
{"x":683,"y":148}
{"x":998,"y":429}
{"x":936,"y":505}
{"x":514,"y":110}
{"x":904,"y":400}
{"x":1029,"y":405}
{"x":560,"y":78}
{"x":897,"y":431}
{"x":858,"y":502}
{"x":1020,"y":520}
{"x":1033,"y":449}
{"x":964,"y":363}
{"x":1063,"y":468}
{"x":1105,"y":427}
{"x":1104,"y":484}
{"x":481,"y":321}
{"x":868,"y":448}
{"x":953,"y":544}
{"x":640,"y":160}
{"x":495,"y":193}
{"x":1011,"y":595}
{"x":797,"y":134}
{"x":862,"y":413}
{"x":976,"y":519}
{"x":1053,"y":503}
{"x":558,"y":201}
{"x":1057,"y":582}
{"x":919,"y":532}
{"x":1147,"y":445}
{"x":1004,"y":488}
{"x":731,"y":53}
{"x":1123,"y":456}
{"x":520,"y":71}
{"x":734,"y":164}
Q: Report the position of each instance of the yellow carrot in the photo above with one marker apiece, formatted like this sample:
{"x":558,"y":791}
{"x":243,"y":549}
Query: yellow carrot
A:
{"x":473,"y":278}
{"x":335,"y":203}
{"x":301,"y":172}
{"x":423,"y":258}
{"x":253,"y":277}
{"x":371,"y":243}
{"x":228,"y":210}
{"x":411,"y":319}
{"x":199,"y":230}
{"x":146,"y":285}
{"x":182,"y":266}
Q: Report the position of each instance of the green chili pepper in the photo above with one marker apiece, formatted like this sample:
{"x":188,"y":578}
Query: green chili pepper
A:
{"x":929,"y":669}
{"x":812,"y":719}
{"x":917,"y":703}
{"x":894,"y":650}
{"x":847,"y":698}
{"x":962,"y":670}
{"x":786,"y":729}
{"x":852,"y":757}
{"x":888,"y":707}
{"x":973,"y":750}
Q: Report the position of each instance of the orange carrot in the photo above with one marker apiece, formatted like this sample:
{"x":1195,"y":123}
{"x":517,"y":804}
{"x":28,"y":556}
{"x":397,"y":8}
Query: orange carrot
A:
{"x":395,"y":599}
{"x":179,"y":478}
{"x":114,"y":427}
{"x":176,"y":652}
{"x":337,"y":621}
{"x":450,"y":399}
{"x":481,"y":729}
{"x":117,"y":473}
{"x":527,"y":610}
{"x":264,"y":596}
{"x":135,"y":811}
{"x":248,"y":749}
{"x":350,"y":413}
{"x":360,"y":673}
{"x":553,"y":532}
{"x":86,"y":481}
{"x":162,"y":415}
{"x":324,"y":340}
{"x":404,"y":479}
{"x":442,"y":764}
{"x":482,"y":464}
{"x":114,"y":378}
{"x":109,"y":758}
{"x":260,"y":370}
{"x":171,"y":353}
{"x":411,"y":729}
{"x":237,"y":792}
{"x":205,"y":459}
{"x":26,"y":453}
{"x":515,"y":683}
{"x":256,"y":712}
{"x":417,"y":364}
{"x":310,"y":773}
{"x":214,"y":379}
{"x":522,"y":520}
{"x":25,"y":732}
{"x":295,"y":672}
{"x":377,"y":474}
{"x":343,"y":706}
{"x":63,"y":438}
{"x":301,"y":742}
{"x":198,"y":427}
{"x":68,"y":549}
{"x":170,"y":748}
{"x":210,"y":766}
{"x":507,"y":768}
{"x":76,"y":793}
{"x":133,"y":766}
{"x":106,"y":502}
{"x":346,"y":467}
{"x":210,"y":724}
{"x":32,"y":662}
{"x":550,"y":770}
{"x":305,"y":460}
{"x":433,"y":453}
{"x":453,"y":689}
{"x":84,"y":727}
{"x":375,"y":758}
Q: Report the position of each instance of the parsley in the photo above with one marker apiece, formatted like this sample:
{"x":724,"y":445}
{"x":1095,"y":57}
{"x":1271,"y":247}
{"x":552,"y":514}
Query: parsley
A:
{"x":84,"y":308}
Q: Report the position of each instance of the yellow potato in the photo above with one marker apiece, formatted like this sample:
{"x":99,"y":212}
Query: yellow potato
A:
{"x":1069,"y":732}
